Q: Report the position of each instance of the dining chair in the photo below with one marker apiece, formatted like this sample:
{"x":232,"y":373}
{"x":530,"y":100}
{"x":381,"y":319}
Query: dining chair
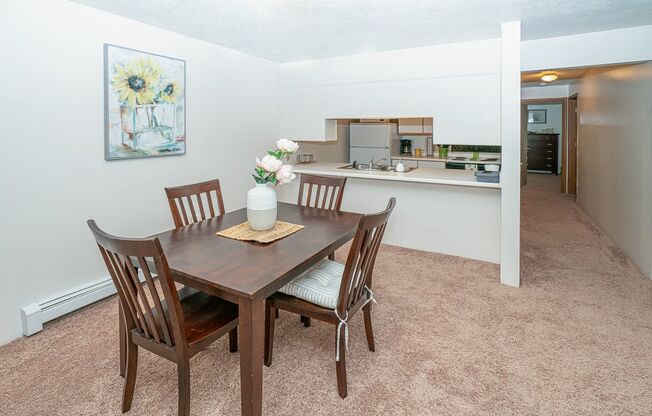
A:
{"x":333,"y":292}
{"x":199,"y":202}
{"x":174,"y":324}
{"x":328,"y":194}
{"x":205,"y":196}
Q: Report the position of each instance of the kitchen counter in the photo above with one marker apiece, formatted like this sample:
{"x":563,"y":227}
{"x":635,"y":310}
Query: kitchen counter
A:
{"x":450,"y":159}
{"x":451,"y":177}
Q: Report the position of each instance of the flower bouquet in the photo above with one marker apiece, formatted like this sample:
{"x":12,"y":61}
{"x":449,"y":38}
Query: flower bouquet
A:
{"x":261,"y":200}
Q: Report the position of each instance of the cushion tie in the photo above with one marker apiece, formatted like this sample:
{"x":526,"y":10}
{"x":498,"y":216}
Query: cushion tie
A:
{"x":344,"y":323}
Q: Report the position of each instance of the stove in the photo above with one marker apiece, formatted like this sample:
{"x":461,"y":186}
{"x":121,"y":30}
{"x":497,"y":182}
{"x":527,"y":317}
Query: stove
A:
{"x":461,"y":157}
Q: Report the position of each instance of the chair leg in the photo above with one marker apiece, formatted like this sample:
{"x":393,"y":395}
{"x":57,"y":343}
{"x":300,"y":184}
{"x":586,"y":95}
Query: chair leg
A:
{"x":270,"y":318}
{"x":233,"y":340}
{"x":306,"y":321}
{"x":368,"y":328}
{"x":331,"y":256}
{"x":183,"y":369}
{"x":340,"y":366}
{"x":130,"y":374}
{"x":123,"y":341}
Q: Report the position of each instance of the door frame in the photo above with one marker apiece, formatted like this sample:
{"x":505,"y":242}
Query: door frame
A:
{"x":564,"y":126}
{"x":572,"y":145}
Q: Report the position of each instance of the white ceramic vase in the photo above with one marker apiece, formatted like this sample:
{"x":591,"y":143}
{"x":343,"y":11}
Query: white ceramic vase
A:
{"x":261,"y":207}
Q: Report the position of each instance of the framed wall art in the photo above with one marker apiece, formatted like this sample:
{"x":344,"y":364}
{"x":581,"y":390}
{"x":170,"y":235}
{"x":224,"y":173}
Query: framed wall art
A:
{"x":144,"y":104}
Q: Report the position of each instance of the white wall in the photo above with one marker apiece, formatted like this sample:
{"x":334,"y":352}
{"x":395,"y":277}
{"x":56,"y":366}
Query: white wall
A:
{"x":615,"y":157}
{"x":53,"y":176}
{"x":457,"y":84}
{"x":553,"y":121}
{"x":549,"y":91}
{"x":588,"y":49}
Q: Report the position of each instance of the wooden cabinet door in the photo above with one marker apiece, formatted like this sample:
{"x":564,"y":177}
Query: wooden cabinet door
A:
{"x":410,"y":126}
{"x":427,"y":125}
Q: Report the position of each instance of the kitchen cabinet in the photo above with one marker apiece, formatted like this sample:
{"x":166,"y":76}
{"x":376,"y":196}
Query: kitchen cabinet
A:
{"x":415,"y":126}
{"x":542,"y":152}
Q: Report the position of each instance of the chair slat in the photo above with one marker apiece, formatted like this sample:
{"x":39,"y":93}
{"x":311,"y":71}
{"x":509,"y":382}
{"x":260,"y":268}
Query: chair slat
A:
{"x":182,"y":208}
{"x":201,"y":206}
{"x":177,"y":195}
{"x":191,"y":206}
{"x":210,"y":203}
{"x":132,"y":293}
{"x":120,"y":285}
{"x":323,"y":186}
{"x":146,"y":308}
{"x":158,"y":306}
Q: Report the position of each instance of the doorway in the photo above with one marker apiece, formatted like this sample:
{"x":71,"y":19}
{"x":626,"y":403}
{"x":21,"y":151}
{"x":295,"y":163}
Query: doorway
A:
{"x":544,"y":136}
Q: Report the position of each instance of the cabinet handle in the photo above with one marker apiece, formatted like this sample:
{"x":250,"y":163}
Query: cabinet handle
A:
{"x":548,"y":144}
{"x":549,"y":151}
{"x":549,"y":166}
{"x":548,"y":158}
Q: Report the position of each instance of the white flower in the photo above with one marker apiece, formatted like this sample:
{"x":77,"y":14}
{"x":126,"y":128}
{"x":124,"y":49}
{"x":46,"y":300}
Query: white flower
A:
{"x":269,"y":163}
{"x":287,"y":146}
{"x":285,"y":175}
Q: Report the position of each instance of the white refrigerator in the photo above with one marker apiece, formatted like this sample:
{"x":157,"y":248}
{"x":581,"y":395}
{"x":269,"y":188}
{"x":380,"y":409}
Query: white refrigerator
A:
{"x":372,"y":141}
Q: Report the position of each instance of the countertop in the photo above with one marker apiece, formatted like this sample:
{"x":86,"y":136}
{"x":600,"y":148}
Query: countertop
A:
{"x":439,"y":159}
{"x":452,"y":177}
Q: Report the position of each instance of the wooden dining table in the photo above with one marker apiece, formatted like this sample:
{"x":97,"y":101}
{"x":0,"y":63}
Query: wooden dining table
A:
{"x":246,"y":273}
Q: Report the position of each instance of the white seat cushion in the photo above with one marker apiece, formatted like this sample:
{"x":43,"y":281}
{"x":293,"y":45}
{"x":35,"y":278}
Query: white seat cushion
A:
{"x":319,"y":285}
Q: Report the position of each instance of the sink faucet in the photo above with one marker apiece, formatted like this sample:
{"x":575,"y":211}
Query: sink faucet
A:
{"x":371,"y":163}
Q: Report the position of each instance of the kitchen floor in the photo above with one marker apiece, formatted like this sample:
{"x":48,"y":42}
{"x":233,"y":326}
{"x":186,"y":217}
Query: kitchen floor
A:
{"x":450,"y":340}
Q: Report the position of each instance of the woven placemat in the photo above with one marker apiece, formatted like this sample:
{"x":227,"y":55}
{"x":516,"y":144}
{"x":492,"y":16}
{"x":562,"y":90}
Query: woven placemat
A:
{"x":242,"y":232}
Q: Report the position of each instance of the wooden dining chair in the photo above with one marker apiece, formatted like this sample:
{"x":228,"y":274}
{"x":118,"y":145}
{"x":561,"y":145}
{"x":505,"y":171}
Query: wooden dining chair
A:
{"x":328,"y":194}
{"x":333,"y":292}
{"x":173,"y":324}
{"x":200,"y":199}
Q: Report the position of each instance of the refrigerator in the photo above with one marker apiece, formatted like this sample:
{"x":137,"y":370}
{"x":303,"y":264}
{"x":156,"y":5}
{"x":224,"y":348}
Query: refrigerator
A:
{"x":372,"y":141}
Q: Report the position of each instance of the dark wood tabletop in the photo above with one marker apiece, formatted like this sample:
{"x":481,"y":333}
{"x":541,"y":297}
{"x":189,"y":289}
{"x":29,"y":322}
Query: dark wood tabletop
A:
{"x":247,"y":273}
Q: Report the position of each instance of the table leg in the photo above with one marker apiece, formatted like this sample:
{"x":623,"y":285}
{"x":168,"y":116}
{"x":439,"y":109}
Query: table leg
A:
{"x":252,"y":350}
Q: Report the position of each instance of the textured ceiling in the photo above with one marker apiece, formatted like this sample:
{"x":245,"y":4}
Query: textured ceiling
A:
{"x":290,"y":30}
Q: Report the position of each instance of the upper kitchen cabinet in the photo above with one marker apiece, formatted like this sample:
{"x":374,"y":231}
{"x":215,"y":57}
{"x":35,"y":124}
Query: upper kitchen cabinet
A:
{"x":421,"y":126}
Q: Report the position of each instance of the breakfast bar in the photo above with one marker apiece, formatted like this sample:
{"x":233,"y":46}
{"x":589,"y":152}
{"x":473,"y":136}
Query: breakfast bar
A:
{"x":439,"y":210}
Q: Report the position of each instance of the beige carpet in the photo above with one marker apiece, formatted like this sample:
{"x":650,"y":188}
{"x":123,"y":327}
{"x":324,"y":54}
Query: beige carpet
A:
{"x":575,"y":339}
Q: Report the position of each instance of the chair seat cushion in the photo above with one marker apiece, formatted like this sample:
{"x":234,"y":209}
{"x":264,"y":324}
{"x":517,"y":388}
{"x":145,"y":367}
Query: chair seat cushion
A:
{"x":319,"y":285}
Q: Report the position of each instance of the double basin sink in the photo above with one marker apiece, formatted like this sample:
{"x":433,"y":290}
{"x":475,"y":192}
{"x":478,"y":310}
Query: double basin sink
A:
{"x":373,"y":168}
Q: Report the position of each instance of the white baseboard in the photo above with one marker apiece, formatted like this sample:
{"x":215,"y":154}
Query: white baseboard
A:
{"x":33,"y":316}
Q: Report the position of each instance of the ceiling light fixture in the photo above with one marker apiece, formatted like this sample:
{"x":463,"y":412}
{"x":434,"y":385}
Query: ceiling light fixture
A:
{"x":549,"y":77}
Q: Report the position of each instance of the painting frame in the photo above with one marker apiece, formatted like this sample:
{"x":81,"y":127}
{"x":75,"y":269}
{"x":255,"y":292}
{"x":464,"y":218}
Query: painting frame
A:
{"x":109,"y":94}
{"x":537,"y":116}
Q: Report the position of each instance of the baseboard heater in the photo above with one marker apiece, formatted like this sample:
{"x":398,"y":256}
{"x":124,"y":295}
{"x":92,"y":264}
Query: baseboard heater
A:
{"x":33,"y":316}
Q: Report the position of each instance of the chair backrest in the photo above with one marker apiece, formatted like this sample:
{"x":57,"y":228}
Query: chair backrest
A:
{"x":199,"y":202}
{"x":362,"y":256}
{"x":142,"y":304}
{"x":328,"y":191}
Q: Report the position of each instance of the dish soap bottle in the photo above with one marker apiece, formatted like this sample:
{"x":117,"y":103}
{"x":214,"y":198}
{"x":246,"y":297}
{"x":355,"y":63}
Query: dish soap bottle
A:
{"x":400,"y":167}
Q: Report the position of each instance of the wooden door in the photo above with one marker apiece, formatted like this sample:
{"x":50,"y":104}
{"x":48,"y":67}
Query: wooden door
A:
{"x":523,"y":144}
{"x":572,"y":145}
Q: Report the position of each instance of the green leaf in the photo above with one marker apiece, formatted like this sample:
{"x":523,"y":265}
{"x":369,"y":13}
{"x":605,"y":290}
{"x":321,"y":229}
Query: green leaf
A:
{"x":269,"y":152}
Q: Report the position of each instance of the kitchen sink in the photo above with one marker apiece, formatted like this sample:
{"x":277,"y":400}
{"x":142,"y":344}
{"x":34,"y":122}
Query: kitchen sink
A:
{"x":366,"y":167}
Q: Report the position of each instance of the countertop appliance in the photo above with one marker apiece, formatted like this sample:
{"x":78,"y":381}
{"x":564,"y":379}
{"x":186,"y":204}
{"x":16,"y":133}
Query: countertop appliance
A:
{"x":372,"y":141}
{"x":462,"y":155}
{"x":406,"y":147}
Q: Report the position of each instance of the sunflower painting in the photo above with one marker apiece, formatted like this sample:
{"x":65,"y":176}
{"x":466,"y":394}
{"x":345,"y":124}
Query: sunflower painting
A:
{"x":144,"y":104}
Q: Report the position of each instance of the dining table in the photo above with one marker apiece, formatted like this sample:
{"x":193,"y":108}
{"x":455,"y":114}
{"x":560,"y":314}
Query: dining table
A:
{"x":246,"y":273}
